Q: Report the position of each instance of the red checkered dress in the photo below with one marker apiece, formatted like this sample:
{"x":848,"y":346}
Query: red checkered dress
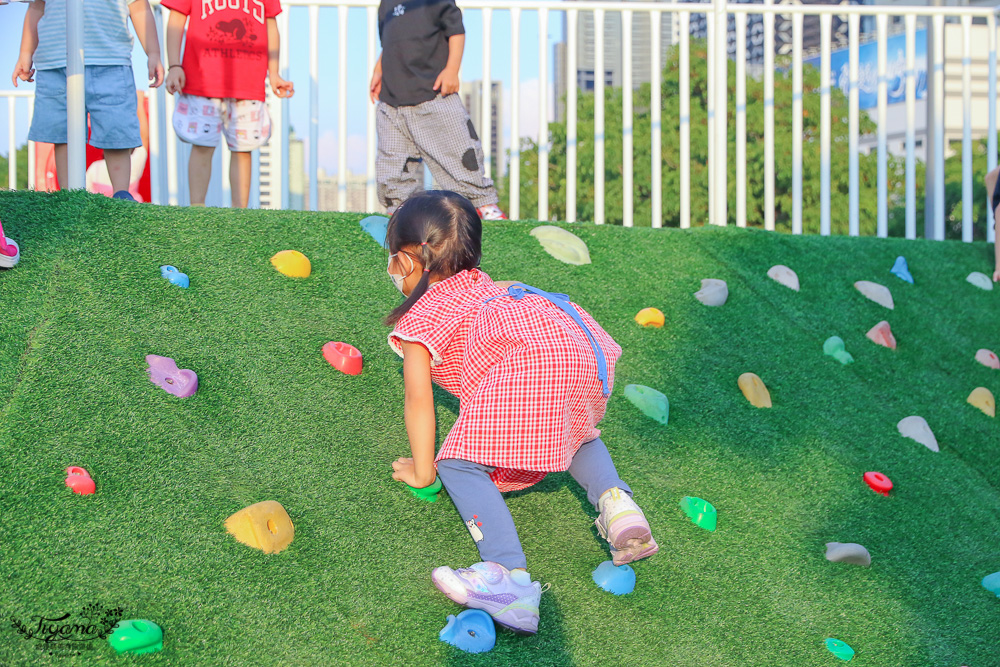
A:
{"x":523,"y":371}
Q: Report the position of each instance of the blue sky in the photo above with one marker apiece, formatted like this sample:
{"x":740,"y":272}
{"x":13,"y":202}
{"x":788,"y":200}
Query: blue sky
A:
{"x":12,"y":17}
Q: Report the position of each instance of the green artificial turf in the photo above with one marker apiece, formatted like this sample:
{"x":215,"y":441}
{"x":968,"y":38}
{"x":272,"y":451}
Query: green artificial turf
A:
{"x":273,"y":421}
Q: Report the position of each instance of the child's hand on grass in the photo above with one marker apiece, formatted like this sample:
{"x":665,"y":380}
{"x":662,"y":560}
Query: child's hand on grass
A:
{"x":281,"y":87}
{"x":175,"y":80}
{"x":404,"y":471}
{"x":446,"y":82}
{"x":22,"y":71}
{"x":155,"y":68}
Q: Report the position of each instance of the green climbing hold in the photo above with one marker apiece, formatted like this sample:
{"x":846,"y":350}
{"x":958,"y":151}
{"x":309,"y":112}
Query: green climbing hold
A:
{"x":650,"y":402}
{"x":428,"y":493}
{"x":562,"y":244}
{"x":834,"y":347}
{"x":839,"y":649}
{"x":136,"y":636}
{"x":701,"y":512}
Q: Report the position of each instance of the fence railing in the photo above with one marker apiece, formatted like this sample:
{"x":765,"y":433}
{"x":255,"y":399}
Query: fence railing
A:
{"x":725,"y":26}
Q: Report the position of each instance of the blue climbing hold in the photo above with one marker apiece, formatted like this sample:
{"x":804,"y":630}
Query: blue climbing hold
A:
{"x":901,"y":270}
{"x":376,"y":226}
{"x":174,"y":276}
{"x":617,"y":579}
{"x":991,"y":582}
{"x":472,"y":631}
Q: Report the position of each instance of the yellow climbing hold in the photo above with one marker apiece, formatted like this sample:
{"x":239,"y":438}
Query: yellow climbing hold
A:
{"x":650,"y":317}
{"x":265,"y":526}
{"x":292,"y":263}
{"x":982,"y":398}
{"x":753,"y":388}
{"x":561,"y":244}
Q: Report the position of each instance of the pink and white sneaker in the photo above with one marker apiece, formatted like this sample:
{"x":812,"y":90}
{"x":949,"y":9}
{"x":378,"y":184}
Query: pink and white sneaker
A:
{"x":624,"y":525}
{"x":510,"y":598}
{"x":490,"y":212}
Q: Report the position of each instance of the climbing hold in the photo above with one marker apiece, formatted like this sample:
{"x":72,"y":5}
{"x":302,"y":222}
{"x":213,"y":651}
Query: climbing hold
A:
{"x":472,"y":631}
{"x":136,"y":636}
{"x":265,"y":526}
{"x":428,"y":493}
{"x":982,"y":398}
{"x":848,"y":552}
{"x":713,"y":292}
{"x":345,"y":358}
{"x":10,"y":253}
{"x":834,"y":347}
{"x":754,"y":389}
{"x":916,"y":428}
{"x":79,"y":481}
{"x":701,"y":512}
{"x":839,"y":649}
{"x":880,"y":294}
{"x":376,"y":226}
{"x":988,"y":358}
{"x":561,"y":244}
{"x":784,"y":275}
{"x":650,"y":402}
{"x":173,"y":276}
{"x":980,"y":280}
{"x":901,"y":270}
{"x":878,"y":482}
{"x":164,"y":373}
{"x":617,"y":579}
{"x":292,"y":263}
{"x":650,"y":317}
{"x":991,"y":582}
{"x":881,"y":334}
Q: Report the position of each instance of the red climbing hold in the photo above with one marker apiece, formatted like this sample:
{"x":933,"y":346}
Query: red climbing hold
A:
{"x":878,"y":482}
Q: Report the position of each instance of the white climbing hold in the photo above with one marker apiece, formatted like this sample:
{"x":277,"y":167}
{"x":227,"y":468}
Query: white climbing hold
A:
{"x":916,"y":428}
{"x":713,"y":292}
{"x":784,"y":275}
{"x":561,"y":244}
{"x":880,"y":294}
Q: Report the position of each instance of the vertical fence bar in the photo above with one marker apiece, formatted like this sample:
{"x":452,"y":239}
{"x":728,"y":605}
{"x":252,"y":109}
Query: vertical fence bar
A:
{"x":342,"y":115}
{"x":937,"y":72}
{"x":371,"y":198}
{"x":599,"y":116}
{"x":853,"y":23}
{"x":543,"y":114}
{"x":486,"y":107}
{"x":721,"y":165}
{"x":11,"y":147}
{"x":514,"y":168}
{"x":627,"y":152}
{"x":796,"y":123}
{"x":710,"y":109}
{"x":769,"y":117}
{"x":882,"y":225}
{"x":685,"y":120}
{"x":76,"y":110}
{"x":572,"y":25}
{"x":314,"y":108}
{"x":155,"y":167}
{"x":741,"y":119}
{"x":656,"y":110}
{"x":991,"y":140}
{"x":173,"y":198}
{"x":825,"y":25}
{"x":967,"y":219}
{"x":31,"y":146}
{"x":280,"y":165}
{"x":911,"y":98}
{"x":227,"y":188}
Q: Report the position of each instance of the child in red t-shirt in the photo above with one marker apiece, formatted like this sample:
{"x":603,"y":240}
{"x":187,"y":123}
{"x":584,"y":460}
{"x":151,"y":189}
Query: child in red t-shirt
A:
{"x":228,"y":50}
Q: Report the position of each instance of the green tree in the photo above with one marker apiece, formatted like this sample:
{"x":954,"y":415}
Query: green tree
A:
{"x":22,"y":168}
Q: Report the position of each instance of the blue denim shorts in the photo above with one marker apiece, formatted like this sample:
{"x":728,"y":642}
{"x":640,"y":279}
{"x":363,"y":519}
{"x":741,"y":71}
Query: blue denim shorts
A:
{"x":111,"y":103}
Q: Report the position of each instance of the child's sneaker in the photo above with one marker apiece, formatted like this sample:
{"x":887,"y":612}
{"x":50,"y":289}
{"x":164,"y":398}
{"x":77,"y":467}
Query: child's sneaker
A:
{"x":491,"y":212}
{"x":510,"y":598}
{"x":624,"y":525}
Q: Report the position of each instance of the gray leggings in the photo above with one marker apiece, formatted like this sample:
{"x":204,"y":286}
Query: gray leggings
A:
{"x":484,"y":512}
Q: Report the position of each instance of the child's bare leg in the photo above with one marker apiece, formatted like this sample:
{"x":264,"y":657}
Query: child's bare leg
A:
{"x":62,"y":165}
{"x":239,"y":178}
{"x":119,"y":161}
{"x":199,"y":173}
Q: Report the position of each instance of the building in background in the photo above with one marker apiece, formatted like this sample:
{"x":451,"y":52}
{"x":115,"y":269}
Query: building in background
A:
{"x":296,"y":173}
{"x":471,"y":93}
{"x":327,"y":190}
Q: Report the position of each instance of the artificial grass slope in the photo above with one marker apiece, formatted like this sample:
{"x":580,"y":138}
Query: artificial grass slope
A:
{"x":272,"y":420}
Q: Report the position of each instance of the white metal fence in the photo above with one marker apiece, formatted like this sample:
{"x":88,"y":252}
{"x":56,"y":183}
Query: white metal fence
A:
{"x":166,"y":165}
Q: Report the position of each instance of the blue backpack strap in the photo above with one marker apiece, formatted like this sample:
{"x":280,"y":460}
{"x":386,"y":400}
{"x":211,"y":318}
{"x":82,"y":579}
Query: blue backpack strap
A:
{"x":561,"y":301}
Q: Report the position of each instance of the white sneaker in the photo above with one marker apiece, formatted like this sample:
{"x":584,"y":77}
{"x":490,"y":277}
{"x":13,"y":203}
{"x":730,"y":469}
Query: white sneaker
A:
{"x":624,"y":526}
{"x":491,"y":212}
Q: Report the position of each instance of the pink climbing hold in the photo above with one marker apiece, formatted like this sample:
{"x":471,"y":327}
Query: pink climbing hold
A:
{"x":988,"y":358}
{"x":163,"y":372}
{"x":344,"y":357}
{"x":881,"y":334}
{"x":79,"y":481}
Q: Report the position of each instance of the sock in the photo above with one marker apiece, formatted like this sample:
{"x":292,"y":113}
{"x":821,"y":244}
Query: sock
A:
{"x":520,"y":576}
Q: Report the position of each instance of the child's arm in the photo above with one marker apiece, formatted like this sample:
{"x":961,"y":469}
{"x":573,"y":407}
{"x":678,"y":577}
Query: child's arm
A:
{"x":281,"y":87}
{"x":29,"y":42}
{"x":375,"y":87}
{"x":418,"y":471}
{"x":447,"y":80}
{"x":175,"y":32}
{"x":145,"y":28}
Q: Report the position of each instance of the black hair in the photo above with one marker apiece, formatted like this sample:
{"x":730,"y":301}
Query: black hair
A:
{"x":447,"y":231}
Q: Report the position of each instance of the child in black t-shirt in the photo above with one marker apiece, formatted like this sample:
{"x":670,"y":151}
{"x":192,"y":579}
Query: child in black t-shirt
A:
{"x":420,"y":118}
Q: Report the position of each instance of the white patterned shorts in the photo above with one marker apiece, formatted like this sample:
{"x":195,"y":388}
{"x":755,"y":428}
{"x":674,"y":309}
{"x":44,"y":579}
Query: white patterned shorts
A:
{"x":200,"y":121}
